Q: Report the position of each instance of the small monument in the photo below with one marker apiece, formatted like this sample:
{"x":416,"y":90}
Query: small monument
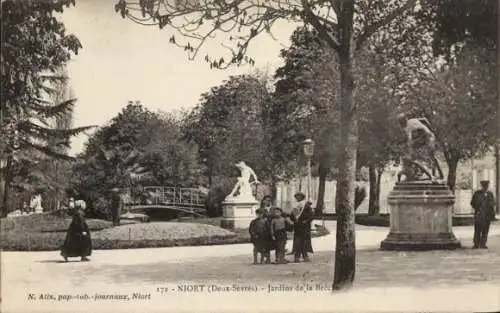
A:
{"x":238,"y":209}
{"x":421,"y":205}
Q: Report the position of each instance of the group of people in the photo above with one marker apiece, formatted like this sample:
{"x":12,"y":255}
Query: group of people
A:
{"x":269,"y":231}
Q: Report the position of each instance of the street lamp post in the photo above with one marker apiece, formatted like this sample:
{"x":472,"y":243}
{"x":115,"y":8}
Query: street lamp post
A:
{"x":497,"y":172}
{"x":309,"y":152}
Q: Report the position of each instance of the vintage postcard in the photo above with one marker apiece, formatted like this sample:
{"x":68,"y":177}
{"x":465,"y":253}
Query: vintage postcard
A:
{"x":249,"y":156}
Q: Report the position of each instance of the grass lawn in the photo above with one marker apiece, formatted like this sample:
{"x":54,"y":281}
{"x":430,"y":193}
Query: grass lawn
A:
{"x":46,"y":232}
{"x":45,"y":222}
{"x":39,"y":231}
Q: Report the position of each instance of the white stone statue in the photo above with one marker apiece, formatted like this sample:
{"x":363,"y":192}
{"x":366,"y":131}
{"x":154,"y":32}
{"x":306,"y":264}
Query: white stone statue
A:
{"x":242,"y":191}
{"x":36,"y":204}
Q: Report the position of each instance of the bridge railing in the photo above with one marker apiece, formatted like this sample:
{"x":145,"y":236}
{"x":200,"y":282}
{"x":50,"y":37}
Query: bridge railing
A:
{"x":175,"y":196}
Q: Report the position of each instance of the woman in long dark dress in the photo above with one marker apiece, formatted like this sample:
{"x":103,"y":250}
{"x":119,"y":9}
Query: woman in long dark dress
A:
{"x":78,"y":242}
{"x":302,"y":216}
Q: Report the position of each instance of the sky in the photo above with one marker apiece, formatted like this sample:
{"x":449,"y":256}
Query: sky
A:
{"x":122,"y":61}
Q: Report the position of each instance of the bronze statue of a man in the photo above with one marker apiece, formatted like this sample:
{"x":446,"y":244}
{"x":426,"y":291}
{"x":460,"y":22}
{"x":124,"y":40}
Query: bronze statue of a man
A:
{"x":420,"y":162}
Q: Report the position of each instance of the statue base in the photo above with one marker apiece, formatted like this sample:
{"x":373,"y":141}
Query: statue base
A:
{"x":238,"y":213}
{"x":420,"y":218}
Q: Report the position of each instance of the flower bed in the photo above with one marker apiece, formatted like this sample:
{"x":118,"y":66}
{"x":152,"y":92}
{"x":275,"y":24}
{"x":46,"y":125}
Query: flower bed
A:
{"x":161,"y":231}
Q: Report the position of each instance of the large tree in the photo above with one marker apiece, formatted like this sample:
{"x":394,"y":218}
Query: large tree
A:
{"x":138,"y":147}
{"x":58,"y":170}
{"x":345,"y":25}
{"x":452,"y":26}
{"x":228,"y":126}
{"x":35,"y":46}
{"x":306,"y":96}
{"x":462,"y":94}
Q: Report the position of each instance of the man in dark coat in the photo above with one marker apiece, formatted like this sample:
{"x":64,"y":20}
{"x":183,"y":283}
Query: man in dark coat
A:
{"x":483,"y":203}
{"x":116,"y":206}
{"x":302,"y":216}
{"x":78,"y":242}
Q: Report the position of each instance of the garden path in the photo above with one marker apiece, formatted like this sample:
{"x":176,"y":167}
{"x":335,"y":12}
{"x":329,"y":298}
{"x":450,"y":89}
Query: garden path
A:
{"x":128,"y":271}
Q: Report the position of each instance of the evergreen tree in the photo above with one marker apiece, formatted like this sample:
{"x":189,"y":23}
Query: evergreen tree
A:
{"x":35,"y":46}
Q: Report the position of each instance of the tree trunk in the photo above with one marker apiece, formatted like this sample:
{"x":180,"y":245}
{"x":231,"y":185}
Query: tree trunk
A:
{"x":274,"y":191}
{"x":2,"y":192}
{"x":345,"y":251}
{"x":452,"y":170}
{"x":210,"y":174}
{"x":497,"y":168}
{"x":380,"y":171}
{"x":373,"y":195}
{"x":323,"y":172}
{"x":6,"y":178}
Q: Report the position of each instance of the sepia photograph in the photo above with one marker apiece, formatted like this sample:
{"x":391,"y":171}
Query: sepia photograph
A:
{"x":249,"y":156}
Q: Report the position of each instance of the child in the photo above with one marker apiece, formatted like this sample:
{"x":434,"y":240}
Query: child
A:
{"x":259,"y":237}
{"x":279,"y":234}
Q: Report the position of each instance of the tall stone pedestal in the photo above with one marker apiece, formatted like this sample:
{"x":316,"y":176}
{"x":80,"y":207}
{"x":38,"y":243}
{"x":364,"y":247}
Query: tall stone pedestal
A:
{"x":238,"y":214}
{"x":421,"y":217}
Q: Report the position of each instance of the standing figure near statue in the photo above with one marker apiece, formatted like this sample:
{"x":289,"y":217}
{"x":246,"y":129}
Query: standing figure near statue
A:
{"x":302,"y":216}
{"x":116,"y":206}
{"x":419,"y":163}
{"x":483,"y":203}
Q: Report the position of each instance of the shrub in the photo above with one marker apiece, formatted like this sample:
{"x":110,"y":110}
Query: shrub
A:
{"x":215,"y":197}
{"x":383,"y":220}
{"x":373,"y":220}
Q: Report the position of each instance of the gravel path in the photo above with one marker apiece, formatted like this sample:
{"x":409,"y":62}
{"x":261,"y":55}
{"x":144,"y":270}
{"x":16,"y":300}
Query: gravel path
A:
{"x":392,"y":280}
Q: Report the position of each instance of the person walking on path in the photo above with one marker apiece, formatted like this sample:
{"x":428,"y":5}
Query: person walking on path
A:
{"x":78,"y":242}
{"x":302,"y":216}
{"x":483,"y":203}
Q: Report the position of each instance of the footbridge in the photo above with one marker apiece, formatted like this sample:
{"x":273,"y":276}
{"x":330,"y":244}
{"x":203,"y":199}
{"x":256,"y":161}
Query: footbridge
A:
{"x":190,"y":201}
